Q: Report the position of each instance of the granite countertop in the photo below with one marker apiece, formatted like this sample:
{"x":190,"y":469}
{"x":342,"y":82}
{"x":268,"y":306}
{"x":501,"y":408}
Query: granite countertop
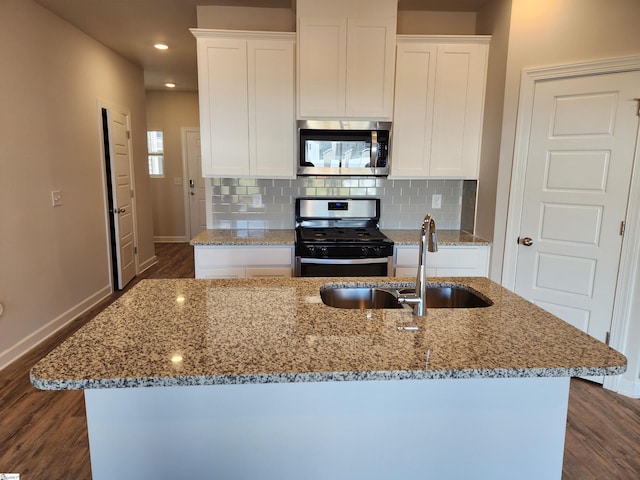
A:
{"x":286,"y":237}
{"x":255,"y":237}
{"x":445,"y":237}
{"x":205,"y":332}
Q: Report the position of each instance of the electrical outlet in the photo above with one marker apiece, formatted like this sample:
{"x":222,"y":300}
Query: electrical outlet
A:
{"x":436,"y":201}
{"x":56,"y":198}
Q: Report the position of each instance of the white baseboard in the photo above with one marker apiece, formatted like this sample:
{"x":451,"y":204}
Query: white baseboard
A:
{"x":11,"y":354}
{"x":170,"y":239}
{"x":147,"y":264}
{"x":628,"y":387}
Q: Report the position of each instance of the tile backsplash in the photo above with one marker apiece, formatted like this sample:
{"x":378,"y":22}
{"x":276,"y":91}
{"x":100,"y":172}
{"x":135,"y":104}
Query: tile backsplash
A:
{"x":270,"y":203}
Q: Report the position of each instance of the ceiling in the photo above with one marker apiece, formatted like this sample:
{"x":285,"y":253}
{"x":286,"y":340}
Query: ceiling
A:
{"x":132,"y":27}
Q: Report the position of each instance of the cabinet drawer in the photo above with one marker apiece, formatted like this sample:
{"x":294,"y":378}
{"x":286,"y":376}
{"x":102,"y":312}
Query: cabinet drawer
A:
{"x":242,"y":256}
{"x":412,"y":271}
{"x":220,"y":272}
{"x":445,"y":256}
{"x":448,"y":261}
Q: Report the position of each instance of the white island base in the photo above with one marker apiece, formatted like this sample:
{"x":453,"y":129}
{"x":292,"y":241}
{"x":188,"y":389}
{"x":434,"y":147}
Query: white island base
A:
{"x":488,"y":428}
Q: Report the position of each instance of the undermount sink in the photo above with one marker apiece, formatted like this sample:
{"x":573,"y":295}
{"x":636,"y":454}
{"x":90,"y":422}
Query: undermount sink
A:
{"x":379,"y":296}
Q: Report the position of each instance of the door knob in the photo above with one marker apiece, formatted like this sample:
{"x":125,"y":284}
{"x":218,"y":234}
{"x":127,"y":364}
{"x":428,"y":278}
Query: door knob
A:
{"x":526,"y":241}
{"x":120,"y":210}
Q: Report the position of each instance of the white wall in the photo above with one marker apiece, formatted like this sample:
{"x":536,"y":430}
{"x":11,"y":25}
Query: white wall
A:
{"x":412,"y":22}
{"x":246,"y":18}
{"x":493,"y":19}
{"x":552,"y":32}
{"x":54,"y":261}
{"x":169,"y":112}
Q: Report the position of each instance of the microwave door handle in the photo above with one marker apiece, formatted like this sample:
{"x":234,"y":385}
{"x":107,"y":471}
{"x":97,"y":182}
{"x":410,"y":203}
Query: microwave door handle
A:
{"x":373,"y":161}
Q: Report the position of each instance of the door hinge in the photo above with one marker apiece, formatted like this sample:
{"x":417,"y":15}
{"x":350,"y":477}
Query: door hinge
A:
{"x":131,"y":193}
{"x":135,"y":249}
{"x":607,"y":337}
{"x":129,"y":134}
{"x":638,"y":110}
{"x":622,"y":226}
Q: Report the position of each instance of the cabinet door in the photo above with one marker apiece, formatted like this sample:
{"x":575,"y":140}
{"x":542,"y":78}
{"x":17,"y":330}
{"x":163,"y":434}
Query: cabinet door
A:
{"x":228,"y":272}
{"x":457,"y":111}
{"x":271,"y":108}
{"x":370,"y":67}
{"x":413,"y":110}
{"x":268,"y":272}
{"x":322,"y":67}
{"x":224,"y":120}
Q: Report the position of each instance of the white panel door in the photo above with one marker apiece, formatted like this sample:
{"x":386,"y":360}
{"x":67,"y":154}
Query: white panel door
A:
{"x":122,"y":197}
{"x":579,"y":163}
{"x":413,"y":109}
{"x":272,"y":108}
{"x":197,"y":197}
{"x":224,"y":122}
{"x":457,"y":110}
{"x":322,"y":69}
{"x":370,"y":60}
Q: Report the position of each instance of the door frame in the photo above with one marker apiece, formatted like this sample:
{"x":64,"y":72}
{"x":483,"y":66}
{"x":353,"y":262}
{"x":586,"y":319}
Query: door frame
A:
{"x":109,"y":106}
{"x":628,"y":271}
{"x":185,"y":182}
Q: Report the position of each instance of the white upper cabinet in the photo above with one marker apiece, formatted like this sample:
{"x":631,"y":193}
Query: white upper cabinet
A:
{"x":439,"y":103}
{"x":346,"y":60}
{"x":246,"y":87}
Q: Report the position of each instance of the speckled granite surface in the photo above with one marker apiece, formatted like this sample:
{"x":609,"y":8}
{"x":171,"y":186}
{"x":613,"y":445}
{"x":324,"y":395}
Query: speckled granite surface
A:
{"x":197,"y":332}
{"x":287,"y":237}
{"x":445,"y":237}
{"x":244,"y":237}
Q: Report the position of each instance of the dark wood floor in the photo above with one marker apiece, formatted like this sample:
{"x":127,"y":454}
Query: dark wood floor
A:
{"x":44,"y":434}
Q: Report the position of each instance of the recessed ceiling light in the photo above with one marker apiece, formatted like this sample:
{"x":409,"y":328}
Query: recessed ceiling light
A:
{"x":161,"y":46}
{"x":170,"y":85}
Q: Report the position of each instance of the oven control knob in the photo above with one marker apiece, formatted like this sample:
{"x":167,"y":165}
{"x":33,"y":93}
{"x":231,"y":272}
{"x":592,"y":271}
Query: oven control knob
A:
{"x":311,"y":249}
{"x":377,"y":251}
{"x":364,"y":250}
{"x":324,"y":251}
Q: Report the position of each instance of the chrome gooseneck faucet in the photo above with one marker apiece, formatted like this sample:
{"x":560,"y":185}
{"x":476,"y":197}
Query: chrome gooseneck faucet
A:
{"x":428,"y":242}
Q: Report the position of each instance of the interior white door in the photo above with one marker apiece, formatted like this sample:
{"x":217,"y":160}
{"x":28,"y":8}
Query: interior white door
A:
{"x":579,"y":162}
{"x":197,"y":208}
{"x":122,"y":192}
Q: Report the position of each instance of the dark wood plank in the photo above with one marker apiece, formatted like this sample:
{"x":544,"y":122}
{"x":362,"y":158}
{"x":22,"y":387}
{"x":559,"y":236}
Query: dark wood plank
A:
{"x":603,"y":434}
{"x":44,"y":434}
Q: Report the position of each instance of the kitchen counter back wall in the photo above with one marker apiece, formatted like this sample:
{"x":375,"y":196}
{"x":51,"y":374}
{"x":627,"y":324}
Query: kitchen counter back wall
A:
{"x":267,"y":203}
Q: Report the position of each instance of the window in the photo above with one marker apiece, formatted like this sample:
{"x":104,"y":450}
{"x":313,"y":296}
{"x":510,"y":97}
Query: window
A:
{"x":155,"y":149}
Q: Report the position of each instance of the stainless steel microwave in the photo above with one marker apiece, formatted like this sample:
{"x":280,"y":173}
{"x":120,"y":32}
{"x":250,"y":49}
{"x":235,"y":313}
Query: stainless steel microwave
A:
{"x":343,"y":147}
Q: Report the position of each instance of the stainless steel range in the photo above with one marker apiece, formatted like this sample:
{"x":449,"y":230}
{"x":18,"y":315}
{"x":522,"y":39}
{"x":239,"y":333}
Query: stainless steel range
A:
{"x":340,"y":237}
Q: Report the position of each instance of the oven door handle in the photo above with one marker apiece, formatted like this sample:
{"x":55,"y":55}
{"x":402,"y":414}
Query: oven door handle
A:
{"x":344,"y":261}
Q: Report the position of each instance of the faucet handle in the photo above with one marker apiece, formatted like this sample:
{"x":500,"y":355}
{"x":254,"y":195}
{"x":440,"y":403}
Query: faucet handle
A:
{"x":433,"y":239}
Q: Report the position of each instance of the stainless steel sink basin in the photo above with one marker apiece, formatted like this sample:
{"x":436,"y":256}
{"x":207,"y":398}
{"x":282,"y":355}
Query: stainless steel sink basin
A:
{"x":374,"y":297}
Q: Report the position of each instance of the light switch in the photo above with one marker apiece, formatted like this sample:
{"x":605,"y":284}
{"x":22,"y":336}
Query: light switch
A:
{"x":177,"y":181}
{"x":56,"y":198}
{"x":436,"y":201}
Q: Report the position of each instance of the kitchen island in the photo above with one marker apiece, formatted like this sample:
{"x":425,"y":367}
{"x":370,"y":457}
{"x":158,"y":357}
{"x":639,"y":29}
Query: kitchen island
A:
{"x":244,"y":379}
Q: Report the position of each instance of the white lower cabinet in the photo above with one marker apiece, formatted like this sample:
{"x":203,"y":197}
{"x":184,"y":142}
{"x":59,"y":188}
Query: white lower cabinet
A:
{"x":448,"y":261}
{"x":243,"y":261}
